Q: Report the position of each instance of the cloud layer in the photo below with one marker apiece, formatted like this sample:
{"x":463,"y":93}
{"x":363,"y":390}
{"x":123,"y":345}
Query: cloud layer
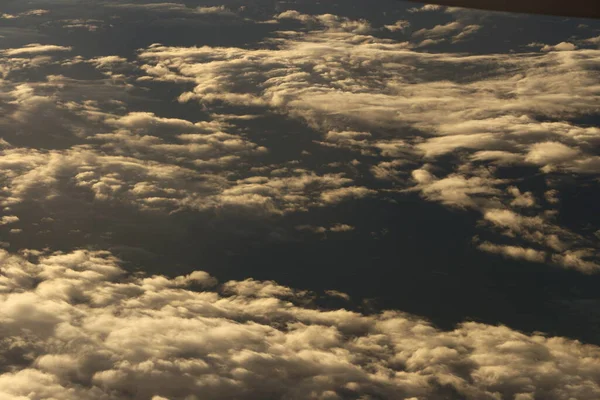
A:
{"x":406,"y":108}
{"x":418,"y":122}
{"x":77,"y":326}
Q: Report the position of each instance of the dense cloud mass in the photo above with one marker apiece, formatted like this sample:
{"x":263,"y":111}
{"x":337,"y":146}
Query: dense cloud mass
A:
{"x":76,"y":326}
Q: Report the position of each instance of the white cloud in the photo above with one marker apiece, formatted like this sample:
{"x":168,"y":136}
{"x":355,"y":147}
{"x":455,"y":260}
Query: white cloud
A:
{"x":425,"y":8}
{"x":439,"y":30}
{"x":398,"y":26}
{"x":338,"y":294}
{"x":338,"y":195}
{"x":8,"y":219}
{"x":517,"y":252}
{"x":521,"y":199}
{"x":75,"y":326}
{"x":466,"y":32}
{"x":456,"y":190}
{"x":311,"y":228}
{"x":36,"y":13}
{"x":562,"y":46}
{"x":35,"y":48}
{"x":550,"y":153}
{"x":341,"y":228}
{"x":593,"y":40}
{"x":398,"y":107}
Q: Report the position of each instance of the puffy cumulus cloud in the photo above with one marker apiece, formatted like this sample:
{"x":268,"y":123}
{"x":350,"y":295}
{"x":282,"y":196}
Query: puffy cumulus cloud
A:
{"x":447,"y":144}
{"x":154,"y":185}
{"x":550,"y":152}
{"x":213,"y":149}
{"x":76,"y":326}
{"x":108,"y":61}
{"x":579,"y":259}
{"x":341,"y":228}
{"x":351,"y":192}
{"x":333,"y":79}
{"x":153,"y":162}
{"x":389,"y":170}
{"x":457,"y":190}
{"x":42,"y":175}
{"x":569,"y":248}
{"x":521,"y":199}
{"x":139,"y":158}
{"x":8,"y":219}
{"x":553,"y":155}
{"x":298,"y":191}
{"x":202,"y":144}
{"x":363,"y":142}
{"x":562,"y":46}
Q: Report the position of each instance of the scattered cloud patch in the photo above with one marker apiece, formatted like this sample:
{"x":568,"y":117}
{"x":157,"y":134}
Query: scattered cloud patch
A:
{"x":425,"y":8}
{"x":35,"y":48}
{"x":562,"y":46}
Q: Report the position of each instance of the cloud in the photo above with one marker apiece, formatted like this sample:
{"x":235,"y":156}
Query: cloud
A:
{"x":334,"y":196}
{"x":521,"y":199}
{"x":550,"y":153}
{"x":36,"y":13}
{"x":439,"y":30}
{"x":456,"y":30}
{"x":456,"y":190}
{"x":9,"y":219}
{"x":562,"y":46}
{"x":514,"y":252}
{"x":154,"y":185}
{"x":593,"y":40}
{"x":75,"y":325}
{"x":321,"y":229}
{"x":341,"y":228}
{"x":466,"y":32}
{"x":338,"y":294}
{"x":415,"y":120}
{"x":311,"y":228}
{"x":35,"y":48}
{"x":425,"y":8}
{"x":91,"y":25}
{"x":445,"y":144}
{"x":400,"y":25}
